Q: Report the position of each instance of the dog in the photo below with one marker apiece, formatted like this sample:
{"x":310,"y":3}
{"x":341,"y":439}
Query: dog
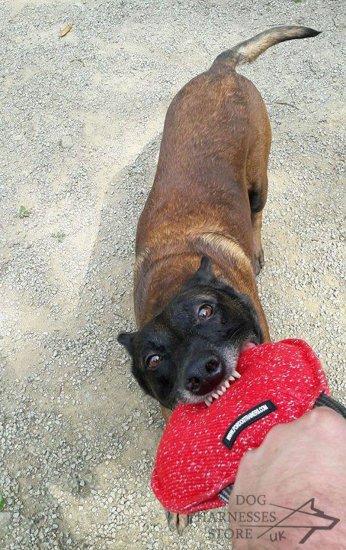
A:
{"x":198,"y":244}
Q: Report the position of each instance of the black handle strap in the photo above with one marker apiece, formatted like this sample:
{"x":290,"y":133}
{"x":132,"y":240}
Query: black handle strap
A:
{"x":324,"y":400}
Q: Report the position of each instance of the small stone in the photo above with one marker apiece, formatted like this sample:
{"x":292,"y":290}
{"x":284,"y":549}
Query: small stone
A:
{"x":66,"y":142}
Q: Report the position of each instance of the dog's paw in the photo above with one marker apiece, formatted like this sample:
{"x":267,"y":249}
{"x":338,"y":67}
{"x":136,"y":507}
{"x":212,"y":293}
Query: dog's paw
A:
{"x":259,"y":261}
{"x":178,"y":522}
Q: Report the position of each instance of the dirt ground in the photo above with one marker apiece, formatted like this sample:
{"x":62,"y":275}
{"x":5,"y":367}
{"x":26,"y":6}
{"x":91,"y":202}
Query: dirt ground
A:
{"x":81,"y":120}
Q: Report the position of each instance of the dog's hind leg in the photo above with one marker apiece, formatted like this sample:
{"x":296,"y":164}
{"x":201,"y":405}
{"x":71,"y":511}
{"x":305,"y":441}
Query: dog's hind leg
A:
{"x":257,"y":198}
{"x":256,"y":173}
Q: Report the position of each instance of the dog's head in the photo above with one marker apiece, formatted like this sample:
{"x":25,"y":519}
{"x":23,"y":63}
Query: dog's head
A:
{"x":191,"y":348}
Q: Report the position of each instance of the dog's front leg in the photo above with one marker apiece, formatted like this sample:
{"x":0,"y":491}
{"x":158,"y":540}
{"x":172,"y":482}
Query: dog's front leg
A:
{"x":176,"y":522}
{"x":166,"y":413}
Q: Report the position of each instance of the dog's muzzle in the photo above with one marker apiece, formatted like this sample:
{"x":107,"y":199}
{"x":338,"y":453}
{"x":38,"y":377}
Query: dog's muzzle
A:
{"x":203,"y":374}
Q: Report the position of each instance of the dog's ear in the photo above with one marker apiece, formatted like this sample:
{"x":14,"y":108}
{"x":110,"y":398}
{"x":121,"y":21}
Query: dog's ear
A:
{"x":126,"y":339}
{"x":247,"y":305}
{"x":204,"y":275}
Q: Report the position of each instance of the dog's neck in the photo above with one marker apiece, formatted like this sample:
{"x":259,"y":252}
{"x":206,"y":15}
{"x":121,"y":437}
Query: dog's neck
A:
{"x":160,"y":274}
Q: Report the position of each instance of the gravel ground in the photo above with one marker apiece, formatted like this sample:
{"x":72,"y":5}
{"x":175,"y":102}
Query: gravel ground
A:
{"x":82,"y":117}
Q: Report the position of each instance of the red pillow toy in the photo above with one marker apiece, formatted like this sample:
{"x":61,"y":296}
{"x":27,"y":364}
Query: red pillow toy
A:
{"x":200,"y":450}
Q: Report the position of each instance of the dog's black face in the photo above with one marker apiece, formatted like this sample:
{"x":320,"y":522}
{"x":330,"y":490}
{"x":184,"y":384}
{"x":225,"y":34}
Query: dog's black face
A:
{"x":191,"y":348}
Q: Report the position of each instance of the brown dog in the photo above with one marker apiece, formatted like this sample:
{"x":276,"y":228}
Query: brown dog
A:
{"x":206,"y":202}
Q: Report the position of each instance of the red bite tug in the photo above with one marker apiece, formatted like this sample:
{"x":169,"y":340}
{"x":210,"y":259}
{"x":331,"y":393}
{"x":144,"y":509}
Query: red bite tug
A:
{"x":200,"y":450}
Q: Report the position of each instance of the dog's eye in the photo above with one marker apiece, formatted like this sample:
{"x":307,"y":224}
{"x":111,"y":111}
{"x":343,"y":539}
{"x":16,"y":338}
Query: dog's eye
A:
{"x":152,"y":361}
{"x":205,"y":312}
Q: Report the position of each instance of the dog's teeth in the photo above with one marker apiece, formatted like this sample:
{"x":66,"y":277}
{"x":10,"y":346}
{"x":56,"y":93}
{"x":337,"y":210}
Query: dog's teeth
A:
{"x":209,"y":399}
{"x":227,"y":384}
{"x":224,"y":388}
{"x":231,"y":379}
{"x":220,"y":392}
{"x":236,"y":374}
{"x":208,"y":403}
{"x":215,"y":395}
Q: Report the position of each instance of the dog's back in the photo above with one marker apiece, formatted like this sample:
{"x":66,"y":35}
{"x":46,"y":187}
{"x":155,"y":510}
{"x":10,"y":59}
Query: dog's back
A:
{"x":211,"y":130}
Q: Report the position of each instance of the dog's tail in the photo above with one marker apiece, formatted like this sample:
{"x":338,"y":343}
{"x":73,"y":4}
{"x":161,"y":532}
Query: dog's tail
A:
{"x":248,"y":51}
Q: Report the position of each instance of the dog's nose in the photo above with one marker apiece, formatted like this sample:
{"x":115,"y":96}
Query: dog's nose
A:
{"x":193,"y":384}
{"x":212,"y":366}
{"x":203,"y":375}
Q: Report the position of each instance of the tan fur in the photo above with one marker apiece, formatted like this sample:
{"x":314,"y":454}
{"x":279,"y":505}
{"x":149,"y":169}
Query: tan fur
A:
{"x":214,"y":151}
{"x":212,"y":243}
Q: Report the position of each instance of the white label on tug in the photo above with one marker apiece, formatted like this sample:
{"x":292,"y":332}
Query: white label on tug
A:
{"x":244,"y":420}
